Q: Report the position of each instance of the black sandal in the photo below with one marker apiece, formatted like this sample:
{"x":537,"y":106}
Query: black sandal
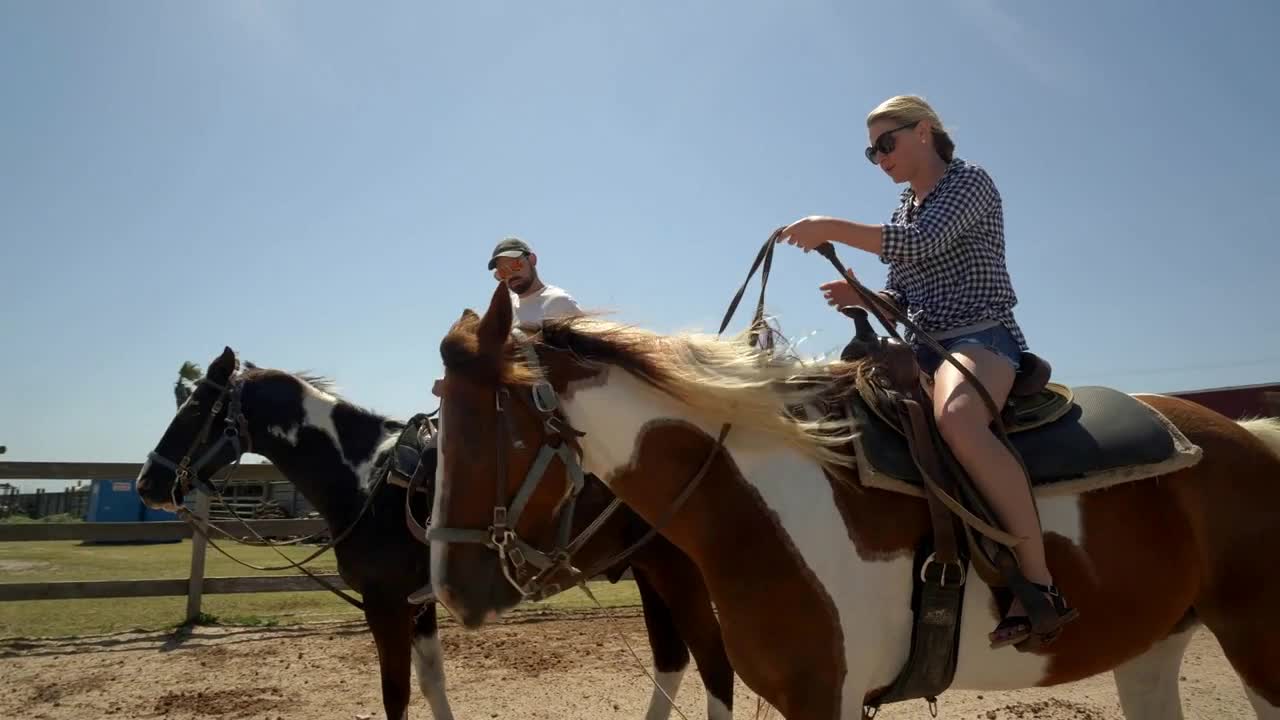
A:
{"x":1017,"y":629}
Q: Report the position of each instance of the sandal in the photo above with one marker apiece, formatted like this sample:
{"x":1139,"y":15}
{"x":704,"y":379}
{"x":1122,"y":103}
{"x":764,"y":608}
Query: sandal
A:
{"x":1017,"y":629}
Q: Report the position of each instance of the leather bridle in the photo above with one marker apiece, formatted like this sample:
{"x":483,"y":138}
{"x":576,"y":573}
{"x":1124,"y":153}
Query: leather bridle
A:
{"x":235,"y":433}
{"x":527,"y":568}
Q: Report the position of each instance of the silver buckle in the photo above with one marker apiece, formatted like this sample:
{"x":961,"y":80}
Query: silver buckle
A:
{"x":943,"y":580}
{"x":544,"y":397}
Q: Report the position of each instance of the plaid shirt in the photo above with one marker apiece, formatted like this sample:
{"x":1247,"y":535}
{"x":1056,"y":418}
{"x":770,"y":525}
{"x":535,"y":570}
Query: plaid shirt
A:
{"x":946,"y":256}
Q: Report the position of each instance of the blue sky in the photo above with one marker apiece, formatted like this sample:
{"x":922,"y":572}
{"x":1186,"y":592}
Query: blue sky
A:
{"x":318,"y":185}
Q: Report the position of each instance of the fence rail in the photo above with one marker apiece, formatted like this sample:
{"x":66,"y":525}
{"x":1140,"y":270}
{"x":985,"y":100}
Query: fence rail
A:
{"x":195,"y":585}
{"x":74,"y":589}
{"x":158,"y":531}
{"x":10,"y":470}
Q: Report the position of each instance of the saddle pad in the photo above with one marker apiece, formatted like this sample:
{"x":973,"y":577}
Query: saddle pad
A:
{"x":1106,"y":438}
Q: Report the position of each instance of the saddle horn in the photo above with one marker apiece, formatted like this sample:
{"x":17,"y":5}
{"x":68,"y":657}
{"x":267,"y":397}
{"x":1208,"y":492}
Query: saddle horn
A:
{"x":865,"y":340}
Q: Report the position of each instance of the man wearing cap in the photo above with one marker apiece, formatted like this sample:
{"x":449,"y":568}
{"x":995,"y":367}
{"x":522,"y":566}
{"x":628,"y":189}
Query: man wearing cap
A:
{"x":514,"y":264}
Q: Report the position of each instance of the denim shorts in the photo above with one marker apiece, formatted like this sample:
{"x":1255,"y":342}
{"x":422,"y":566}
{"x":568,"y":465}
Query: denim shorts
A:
{"x":997,"y":339}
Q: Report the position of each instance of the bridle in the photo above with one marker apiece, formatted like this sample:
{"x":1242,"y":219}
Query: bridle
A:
{"x":235,"y":432}
{"x":528,"y":569}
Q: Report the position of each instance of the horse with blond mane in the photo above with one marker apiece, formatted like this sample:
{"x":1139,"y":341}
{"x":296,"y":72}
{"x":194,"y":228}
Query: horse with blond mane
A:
{"x":810,"y":566}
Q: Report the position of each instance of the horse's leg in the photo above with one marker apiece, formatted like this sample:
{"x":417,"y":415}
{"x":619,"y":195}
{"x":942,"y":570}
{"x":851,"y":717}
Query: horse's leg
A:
{"x":1254,"y":653}
{"x":429,"y":662}
{"x":676,"y":580}
{"x":1148,"y":684}
{"x":670,"y":656}
{"x":1238,"y":533}
{"x":391,"y":621}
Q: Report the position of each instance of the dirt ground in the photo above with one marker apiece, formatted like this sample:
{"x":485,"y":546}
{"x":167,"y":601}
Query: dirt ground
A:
{"x":557,"y":666}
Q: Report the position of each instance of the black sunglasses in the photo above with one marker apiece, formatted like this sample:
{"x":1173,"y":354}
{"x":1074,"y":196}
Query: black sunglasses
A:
{"x":885,"y":143}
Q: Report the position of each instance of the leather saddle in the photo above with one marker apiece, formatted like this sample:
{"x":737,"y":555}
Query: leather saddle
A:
{"x":1033,"y":401}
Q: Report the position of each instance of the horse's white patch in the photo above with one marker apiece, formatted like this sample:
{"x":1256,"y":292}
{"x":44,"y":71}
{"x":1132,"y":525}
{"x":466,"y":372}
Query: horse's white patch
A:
{"x":363,"y":471}
{"x":317,"y":412}
{"x":428,"y":661}
{"x":717,"y":710}
{"x":289,"y":435}
{"x":146,"y":466}
{"x":1264,"y":709}
{"x":440,"y":548}
{"x":1060,"y":514}
{"x":659,"y":705}
{"x":801,"y":499}
{"x":1148,"y":684}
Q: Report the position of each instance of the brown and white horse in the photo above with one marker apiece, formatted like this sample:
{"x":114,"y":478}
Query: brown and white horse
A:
{"x":810,"y":570}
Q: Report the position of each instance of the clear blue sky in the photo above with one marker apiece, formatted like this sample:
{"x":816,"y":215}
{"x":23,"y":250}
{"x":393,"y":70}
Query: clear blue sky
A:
{"x":318,"y":184}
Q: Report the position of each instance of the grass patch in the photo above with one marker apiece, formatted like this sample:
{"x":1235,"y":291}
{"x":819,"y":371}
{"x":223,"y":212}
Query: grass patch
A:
{"x":24,"y":520}
{"x":70,"y":560}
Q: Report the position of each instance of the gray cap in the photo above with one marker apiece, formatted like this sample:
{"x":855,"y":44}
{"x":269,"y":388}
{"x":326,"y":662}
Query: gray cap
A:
{"x":509,"y":247}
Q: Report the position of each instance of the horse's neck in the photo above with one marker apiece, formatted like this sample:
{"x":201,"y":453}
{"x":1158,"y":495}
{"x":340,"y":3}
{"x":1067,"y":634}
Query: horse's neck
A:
{"x":311,"y":456}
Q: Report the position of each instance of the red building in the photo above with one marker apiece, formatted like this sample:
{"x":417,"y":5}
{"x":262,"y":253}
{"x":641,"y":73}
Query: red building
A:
{"x":1243,"y":401}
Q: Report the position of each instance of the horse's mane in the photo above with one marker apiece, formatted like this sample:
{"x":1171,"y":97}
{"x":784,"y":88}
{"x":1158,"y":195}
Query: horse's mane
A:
{"x":722,"y":380}
{"x":322,"y":384}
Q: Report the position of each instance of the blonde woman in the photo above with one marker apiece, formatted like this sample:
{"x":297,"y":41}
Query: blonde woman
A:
{"x":944,"y":246}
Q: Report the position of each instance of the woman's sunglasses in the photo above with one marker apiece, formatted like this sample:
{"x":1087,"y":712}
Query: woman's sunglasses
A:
{"x":885,"y":143}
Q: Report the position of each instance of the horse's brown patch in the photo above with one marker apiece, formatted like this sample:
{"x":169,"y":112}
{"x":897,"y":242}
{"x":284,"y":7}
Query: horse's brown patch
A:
{"x":779,"y":624}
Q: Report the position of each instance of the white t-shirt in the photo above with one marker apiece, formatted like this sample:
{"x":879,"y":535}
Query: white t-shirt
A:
{"x":548,"y":303}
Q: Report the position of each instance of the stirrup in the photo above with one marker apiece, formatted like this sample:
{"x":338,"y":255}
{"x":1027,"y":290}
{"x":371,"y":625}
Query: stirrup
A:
{"x":422,"y":595}
{"x":1022,"y":624}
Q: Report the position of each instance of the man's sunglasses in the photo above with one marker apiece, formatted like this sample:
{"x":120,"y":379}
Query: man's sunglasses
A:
{"x":885,"y":143}
{"x":505,"y":271}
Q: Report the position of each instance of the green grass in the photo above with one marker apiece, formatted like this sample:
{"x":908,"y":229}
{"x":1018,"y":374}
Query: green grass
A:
{"x":70,"y":560}
{"x":25,"y":520}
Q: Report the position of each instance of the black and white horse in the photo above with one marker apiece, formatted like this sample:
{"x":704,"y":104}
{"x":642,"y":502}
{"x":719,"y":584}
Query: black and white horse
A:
{"x":329,"y":448}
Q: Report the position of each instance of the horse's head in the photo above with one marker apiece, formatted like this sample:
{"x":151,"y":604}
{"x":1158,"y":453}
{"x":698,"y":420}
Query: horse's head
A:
{"x":206,"y":434}
{"x":507,"y":470}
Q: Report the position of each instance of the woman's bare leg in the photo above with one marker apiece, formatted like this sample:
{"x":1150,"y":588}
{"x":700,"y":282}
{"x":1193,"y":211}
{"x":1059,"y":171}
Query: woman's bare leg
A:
{"x":964,"y":422}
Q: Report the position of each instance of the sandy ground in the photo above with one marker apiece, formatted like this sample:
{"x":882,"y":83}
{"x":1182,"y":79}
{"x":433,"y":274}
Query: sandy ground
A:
{"x":558,"y":667}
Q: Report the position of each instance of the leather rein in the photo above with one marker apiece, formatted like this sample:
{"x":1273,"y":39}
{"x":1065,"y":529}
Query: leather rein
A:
{"x":529,"y":569}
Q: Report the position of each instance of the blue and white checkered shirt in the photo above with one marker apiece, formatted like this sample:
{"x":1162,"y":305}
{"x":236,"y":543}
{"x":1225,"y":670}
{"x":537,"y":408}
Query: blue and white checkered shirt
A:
{"x":946,"y":256}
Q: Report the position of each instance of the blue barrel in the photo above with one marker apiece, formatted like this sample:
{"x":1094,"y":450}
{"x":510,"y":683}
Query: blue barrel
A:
{"x":118,"y":501}
{"x":114,"y":501}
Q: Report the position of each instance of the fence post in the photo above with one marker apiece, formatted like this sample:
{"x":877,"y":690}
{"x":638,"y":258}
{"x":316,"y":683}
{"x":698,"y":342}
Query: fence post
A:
{"x":195,"y":584}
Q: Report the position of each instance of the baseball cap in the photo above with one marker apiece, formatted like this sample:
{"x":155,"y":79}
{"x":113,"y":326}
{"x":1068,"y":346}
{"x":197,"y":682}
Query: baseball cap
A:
{"x":509,"y":247}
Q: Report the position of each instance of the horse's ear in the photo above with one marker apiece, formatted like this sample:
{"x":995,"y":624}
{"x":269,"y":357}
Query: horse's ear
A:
{"x":495,"y":326}
{"x":221,"y":369}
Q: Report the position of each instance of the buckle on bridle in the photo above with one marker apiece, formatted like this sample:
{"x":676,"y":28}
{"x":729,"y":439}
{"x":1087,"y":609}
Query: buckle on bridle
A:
{"x":544,"y":397}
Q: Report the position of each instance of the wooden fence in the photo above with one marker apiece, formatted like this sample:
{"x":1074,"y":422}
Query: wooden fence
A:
{"x":194,"y":586}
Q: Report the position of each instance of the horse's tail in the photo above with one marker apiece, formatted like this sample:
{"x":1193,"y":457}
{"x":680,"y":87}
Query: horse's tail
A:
{"x":1267,"y":430}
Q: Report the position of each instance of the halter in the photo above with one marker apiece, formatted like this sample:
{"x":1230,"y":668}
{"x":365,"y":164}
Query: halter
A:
{"x":235,"y":433}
